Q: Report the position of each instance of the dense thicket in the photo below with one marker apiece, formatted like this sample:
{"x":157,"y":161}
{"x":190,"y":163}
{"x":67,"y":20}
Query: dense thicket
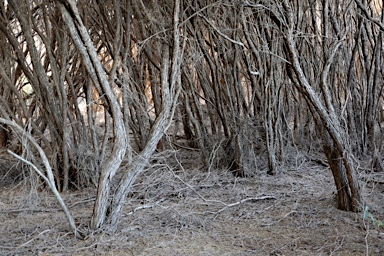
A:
{"x":101,"y":85}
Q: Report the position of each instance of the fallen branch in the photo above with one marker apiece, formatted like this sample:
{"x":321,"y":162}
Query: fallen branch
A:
{"x":226,"y":206}
{"x":244,"y":201}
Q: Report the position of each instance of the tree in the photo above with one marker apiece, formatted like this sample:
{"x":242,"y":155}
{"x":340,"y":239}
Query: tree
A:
{"x":335,"y":146}
{"x":99,"y":86}
{"x":169,"y":97}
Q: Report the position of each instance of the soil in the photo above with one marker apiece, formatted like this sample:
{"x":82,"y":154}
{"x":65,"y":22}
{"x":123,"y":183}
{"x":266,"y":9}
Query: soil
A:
{"x":175,"y":208}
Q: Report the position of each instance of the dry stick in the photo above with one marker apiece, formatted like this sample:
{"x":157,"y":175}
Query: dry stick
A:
{"x":49,"y":178}
{"x":31,"y":240}
{"x":226,"y":206}
{"x":244,"y":201}
{"x":368,"y":16}
{"x":146,"y":206}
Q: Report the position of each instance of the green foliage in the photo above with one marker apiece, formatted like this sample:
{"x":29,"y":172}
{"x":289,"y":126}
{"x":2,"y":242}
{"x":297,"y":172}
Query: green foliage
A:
{"x":376,"y":222}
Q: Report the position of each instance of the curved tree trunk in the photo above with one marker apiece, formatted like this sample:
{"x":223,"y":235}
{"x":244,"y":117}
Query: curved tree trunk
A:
{"x":336,"y":150}
{"x":94,"y":67}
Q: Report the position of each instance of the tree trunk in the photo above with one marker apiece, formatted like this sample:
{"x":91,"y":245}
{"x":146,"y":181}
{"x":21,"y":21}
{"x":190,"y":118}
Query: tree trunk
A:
{"x":170,"y":89}
{"x":84,"y":44}
{"x":3,"y":137}
{"x":335,"y":161}
{"x":344,"y":175}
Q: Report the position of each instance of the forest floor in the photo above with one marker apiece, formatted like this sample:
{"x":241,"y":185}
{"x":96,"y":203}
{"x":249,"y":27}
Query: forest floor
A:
{"x":177,"y":209}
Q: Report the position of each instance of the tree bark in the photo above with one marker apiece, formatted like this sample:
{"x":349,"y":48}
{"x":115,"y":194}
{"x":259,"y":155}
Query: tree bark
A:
{"x":350,"y":197}
{"x":84,"y":44}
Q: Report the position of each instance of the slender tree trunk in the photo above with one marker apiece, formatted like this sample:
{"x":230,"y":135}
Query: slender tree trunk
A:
{"x":170,"y":88}
{"x":344,"y":176}
{"x":89,"y":54}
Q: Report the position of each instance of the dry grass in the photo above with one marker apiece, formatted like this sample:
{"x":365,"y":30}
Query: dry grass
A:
{"x":176,"y":209}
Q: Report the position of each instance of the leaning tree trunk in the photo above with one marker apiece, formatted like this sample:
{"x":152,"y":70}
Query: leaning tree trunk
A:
{"x":170,"y":88}
{"x":335,"y":161}
{"x":94,"y":67}
{"x":336,"y":150}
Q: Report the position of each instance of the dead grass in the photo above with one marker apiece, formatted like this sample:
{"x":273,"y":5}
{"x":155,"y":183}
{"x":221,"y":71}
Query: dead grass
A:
{"x":176,"y":209}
